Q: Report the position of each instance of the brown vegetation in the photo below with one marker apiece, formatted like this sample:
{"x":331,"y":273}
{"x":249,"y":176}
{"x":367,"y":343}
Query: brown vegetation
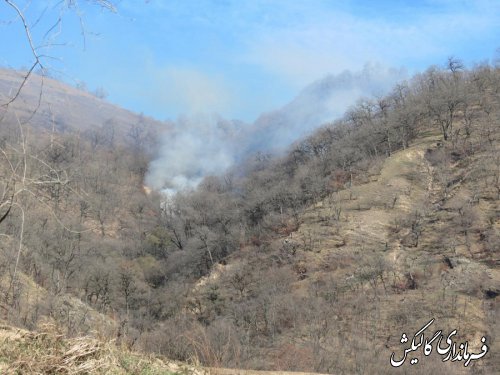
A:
{"x":314,"y":261}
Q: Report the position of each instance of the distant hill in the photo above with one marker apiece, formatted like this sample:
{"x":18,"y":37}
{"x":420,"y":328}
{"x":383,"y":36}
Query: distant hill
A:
{"x":319,"y":102}
{"x":63,"y":104}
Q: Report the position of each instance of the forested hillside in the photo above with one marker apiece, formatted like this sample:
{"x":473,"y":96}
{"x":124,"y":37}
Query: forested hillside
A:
{"x":72,"y":192}
{"x":316,"y":260}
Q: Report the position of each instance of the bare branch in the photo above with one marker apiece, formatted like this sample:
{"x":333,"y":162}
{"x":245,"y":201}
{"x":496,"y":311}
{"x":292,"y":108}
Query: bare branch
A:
{"x":23,"y":83}
{"x":33,"y":50}
{"x":33,"y":25}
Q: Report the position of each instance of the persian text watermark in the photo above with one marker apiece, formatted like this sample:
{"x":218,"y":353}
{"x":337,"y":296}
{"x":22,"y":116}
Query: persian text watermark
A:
{"x":452,"y":351}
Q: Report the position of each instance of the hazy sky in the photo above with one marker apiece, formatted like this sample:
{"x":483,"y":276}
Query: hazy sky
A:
{"x":242,"y":57}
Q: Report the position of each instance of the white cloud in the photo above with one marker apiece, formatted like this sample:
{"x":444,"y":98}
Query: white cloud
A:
{"x":326,"y":40}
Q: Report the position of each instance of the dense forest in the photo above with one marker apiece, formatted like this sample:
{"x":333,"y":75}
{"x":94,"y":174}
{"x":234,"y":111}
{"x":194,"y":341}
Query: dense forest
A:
{"x":239,"y":271}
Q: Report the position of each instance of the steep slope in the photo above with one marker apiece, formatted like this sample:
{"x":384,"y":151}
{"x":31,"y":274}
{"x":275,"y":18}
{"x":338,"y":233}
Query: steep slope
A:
{"x":373,"y":226}
{"x":370,"y":250}
{"x":354,"y":263}
{"x":71,"y":188}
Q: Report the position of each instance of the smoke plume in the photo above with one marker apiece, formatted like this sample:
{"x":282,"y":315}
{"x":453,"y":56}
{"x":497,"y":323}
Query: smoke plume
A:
{"x":205,"y":145}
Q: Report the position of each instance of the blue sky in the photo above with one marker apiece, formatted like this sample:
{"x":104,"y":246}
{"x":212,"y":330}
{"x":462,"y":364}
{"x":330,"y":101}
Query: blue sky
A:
{"x":242,"y":57}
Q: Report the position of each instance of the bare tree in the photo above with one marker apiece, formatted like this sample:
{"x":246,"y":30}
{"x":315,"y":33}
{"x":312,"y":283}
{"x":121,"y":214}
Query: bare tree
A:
{"x":28,"y":177}
{"x":37,"y":47}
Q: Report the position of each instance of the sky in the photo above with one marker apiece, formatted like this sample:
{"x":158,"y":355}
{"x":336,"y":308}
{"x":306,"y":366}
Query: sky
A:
{"x":239,"y":58}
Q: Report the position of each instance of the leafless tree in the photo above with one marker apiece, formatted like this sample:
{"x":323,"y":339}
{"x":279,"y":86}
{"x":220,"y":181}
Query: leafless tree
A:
{"x":28,"y":177}
{"x":36,"y":47}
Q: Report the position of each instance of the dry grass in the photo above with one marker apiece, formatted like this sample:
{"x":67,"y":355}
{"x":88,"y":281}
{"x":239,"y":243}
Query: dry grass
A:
{"x":49,"y":352}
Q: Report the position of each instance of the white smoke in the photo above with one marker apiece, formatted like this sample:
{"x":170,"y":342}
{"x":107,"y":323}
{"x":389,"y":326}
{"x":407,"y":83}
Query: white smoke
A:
{"x":197,"y":146}
{"x":205,"y":145}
